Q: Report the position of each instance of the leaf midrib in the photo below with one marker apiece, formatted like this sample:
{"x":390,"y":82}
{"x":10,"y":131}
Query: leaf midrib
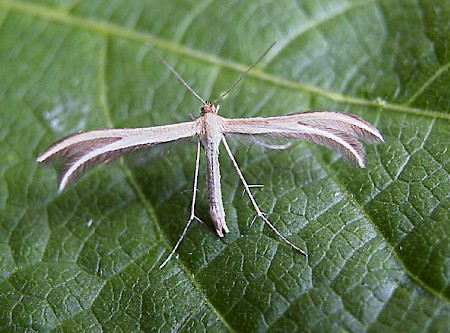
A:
{"x":109,"y":29}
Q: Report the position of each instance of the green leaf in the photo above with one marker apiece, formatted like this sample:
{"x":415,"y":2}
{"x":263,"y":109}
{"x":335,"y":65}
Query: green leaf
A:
{"x":378,"y":239}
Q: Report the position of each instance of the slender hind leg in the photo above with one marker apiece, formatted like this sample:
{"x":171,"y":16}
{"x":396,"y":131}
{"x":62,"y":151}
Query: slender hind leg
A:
{"x":255,"y":205}
{"x":192,"y":217}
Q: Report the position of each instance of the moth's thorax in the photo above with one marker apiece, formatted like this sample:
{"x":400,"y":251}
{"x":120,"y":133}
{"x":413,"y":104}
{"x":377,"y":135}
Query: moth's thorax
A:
{"x":211,"y":125}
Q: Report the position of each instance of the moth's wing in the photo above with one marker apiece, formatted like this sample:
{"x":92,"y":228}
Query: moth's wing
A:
{"x":341,"y":121}
{"x":141,"y":157}
{"x":260,"y":140}
{"x":86,"y":149}
{"x":338,"y":131}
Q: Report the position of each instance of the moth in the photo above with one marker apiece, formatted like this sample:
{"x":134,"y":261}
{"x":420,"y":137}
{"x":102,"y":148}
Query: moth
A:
{"x":338,"y":131}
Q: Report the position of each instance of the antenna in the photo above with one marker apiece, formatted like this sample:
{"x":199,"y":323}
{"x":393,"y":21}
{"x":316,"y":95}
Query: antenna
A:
{"x":244,"y":74}
{"x":170,"y":68}
{"x":178,"y":76}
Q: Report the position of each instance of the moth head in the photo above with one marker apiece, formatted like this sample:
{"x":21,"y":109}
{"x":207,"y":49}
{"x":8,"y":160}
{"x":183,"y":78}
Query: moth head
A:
{"x":209,"y":107}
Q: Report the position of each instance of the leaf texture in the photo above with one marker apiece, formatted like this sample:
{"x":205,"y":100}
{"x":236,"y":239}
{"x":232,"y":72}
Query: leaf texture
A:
{"x":378,"y":239}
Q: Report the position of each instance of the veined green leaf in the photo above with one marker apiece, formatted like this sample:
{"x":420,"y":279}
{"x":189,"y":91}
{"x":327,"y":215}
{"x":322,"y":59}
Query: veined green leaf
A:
{"x":378,"y":239}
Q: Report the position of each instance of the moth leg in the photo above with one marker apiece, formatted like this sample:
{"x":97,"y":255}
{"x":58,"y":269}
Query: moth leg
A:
{"x":252,"y":186}
{"x":192,"y":217}
{"x":255,"y":205}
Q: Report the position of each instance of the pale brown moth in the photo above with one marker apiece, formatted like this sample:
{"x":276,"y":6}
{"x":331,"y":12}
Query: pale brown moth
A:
{"x":336,"y":130}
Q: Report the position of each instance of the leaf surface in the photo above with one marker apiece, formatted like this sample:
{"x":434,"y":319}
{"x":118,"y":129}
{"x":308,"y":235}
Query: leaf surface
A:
{"x":378,"y":239}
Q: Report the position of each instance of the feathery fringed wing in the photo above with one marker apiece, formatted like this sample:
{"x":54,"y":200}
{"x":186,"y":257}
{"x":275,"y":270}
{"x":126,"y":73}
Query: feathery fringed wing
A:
{"x":336,"y":130}
{"x":83,"y":150}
